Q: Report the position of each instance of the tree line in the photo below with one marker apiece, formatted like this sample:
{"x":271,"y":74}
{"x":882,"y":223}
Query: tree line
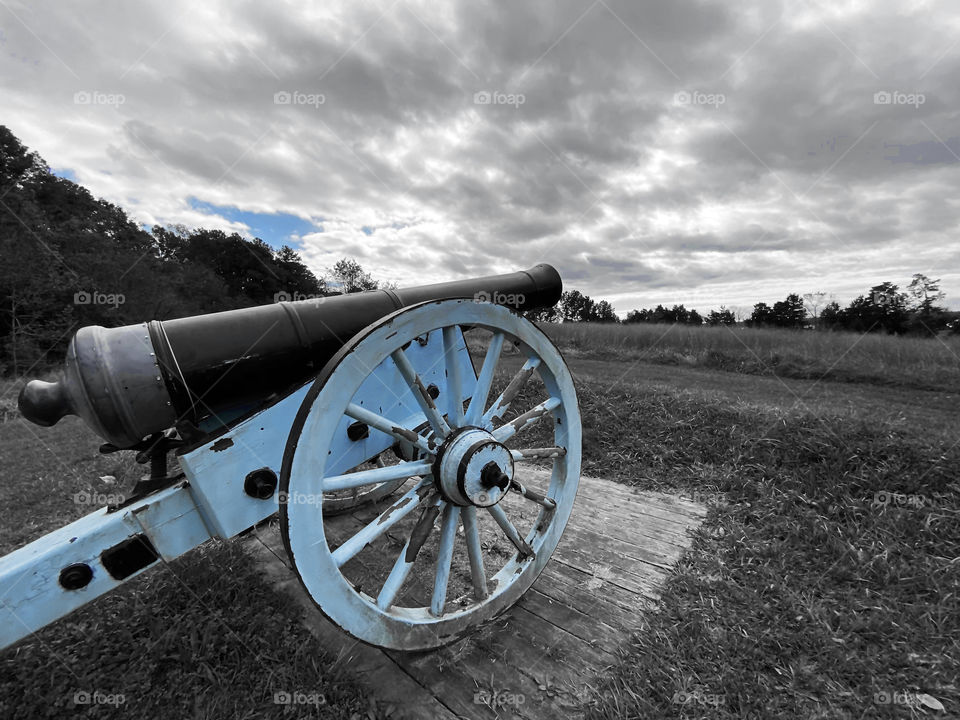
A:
{"x":71,"y":260}
{"x":885,"y":308}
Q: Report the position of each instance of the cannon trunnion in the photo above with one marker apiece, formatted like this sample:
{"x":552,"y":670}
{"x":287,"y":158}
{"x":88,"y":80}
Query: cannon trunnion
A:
{"x":314,"y":408}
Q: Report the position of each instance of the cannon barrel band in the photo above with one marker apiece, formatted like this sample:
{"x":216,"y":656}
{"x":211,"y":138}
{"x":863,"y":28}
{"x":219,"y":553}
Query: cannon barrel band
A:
{"x":131,"y":381}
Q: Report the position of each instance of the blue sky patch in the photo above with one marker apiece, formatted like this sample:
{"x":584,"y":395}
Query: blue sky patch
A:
{"x":274,"y":229}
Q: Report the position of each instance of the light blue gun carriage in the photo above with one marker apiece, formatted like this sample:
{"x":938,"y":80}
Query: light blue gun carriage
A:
{"x":314,"y":408}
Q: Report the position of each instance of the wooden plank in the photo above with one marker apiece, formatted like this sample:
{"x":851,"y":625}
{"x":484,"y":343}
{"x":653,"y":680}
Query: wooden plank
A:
{"x":633,"y":531}
{"x":652,"y":504}
{"x":489,"y":661}
{"x":642,"y":586}
{"x":603,"y":493}
{"x":580,"y":623}
{"x":521,"y":654}
{"x":629,"y":526}
{"x":586,"y":592}
{"x":648,"y":506}
{"x":612,"y":551}
{"x":548,"y":649}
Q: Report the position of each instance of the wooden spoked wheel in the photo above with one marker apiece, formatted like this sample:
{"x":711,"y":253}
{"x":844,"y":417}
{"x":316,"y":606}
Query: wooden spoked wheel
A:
{"x":476,"y":524}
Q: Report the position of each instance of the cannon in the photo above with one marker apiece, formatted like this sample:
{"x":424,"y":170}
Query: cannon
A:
{"x":313,"y":410}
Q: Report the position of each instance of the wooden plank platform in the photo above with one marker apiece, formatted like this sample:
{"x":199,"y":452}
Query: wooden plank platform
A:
{"x":541,"y":657}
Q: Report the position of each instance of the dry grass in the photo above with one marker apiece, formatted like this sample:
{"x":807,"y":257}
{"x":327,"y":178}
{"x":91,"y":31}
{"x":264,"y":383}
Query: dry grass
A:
{"x":928,"y":363}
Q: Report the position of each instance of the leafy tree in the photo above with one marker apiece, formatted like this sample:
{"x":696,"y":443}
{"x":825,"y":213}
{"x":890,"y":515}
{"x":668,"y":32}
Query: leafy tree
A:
{"x":762,"y":315}
{"x":349,"y":277}
{"x":575,"y":306}
{"x":813,"y":301}
{"x":636,"y":316}
{"x":928,"y":318}
{"x":831,"y":316}
{"x":548,"y":314}
{"x":70,"y":260}
{"x":661,"y":314}
{"x":721,"y":317}
{"x":295,"y":276}
{"x":60,"y":247}
{"x":883,"y":310}
{"x":925,"y":292}
{"x":603,"y":312}
{"x":789,"y":313}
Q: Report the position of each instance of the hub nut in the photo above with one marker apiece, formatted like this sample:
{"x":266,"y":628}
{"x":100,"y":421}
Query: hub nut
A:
{"x":474,"y":469}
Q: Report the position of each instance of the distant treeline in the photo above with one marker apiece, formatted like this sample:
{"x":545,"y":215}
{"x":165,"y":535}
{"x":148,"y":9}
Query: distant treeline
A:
{"x":70,"y":260}
{"x":883,"y":309}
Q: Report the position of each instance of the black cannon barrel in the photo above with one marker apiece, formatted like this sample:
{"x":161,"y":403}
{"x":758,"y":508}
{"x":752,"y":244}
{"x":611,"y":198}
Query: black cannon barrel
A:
{"x":129,"y":382}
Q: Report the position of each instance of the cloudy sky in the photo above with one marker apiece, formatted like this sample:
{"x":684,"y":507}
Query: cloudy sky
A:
{"x":699,"y":152}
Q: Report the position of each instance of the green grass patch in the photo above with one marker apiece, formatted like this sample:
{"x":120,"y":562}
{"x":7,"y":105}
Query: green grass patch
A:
{"x":205,"y":637}
{"x":824,"y":581}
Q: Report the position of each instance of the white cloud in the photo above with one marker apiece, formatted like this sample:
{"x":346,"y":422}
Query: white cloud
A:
{"x":786,"y":185}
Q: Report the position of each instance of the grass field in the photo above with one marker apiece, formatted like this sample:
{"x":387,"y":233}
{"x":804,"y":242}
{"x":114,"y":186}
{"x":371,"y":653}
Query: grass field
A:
{"x":929,"y":363}
{"x":204,"y":637}
{"x":823,"y":583}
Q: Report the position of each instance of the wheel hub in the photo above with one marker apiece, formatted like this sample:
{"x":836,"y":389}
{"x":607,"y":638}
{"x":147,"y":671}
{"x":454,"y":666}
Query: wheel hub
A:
{"x":472,"y":468}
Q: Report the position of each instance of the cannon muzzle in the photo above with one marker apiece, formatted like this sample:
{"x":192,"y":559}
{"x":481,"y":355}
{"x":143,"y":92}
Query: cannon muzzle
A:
{"x":129,"y":382}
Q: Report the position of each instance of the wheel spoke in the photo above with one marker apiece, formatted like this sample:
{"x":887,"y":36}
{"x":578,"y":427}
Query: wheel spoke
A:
{"x":387,"y":519}
{"x":376,"y":475}
{"x":385,"y":425}
{"x":531,"y":494}
{"x":408,"y":556}
{"x":531,"y":416}
{"x":502,"y":403}
{"x":454,"y":381}
{"x":482,"y":389}
{"x":510,"y":531}
{"x":538,"y":453}
{"x":420,"y":393}
{"x":448,"y":533}
{"x":474,"y":551}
